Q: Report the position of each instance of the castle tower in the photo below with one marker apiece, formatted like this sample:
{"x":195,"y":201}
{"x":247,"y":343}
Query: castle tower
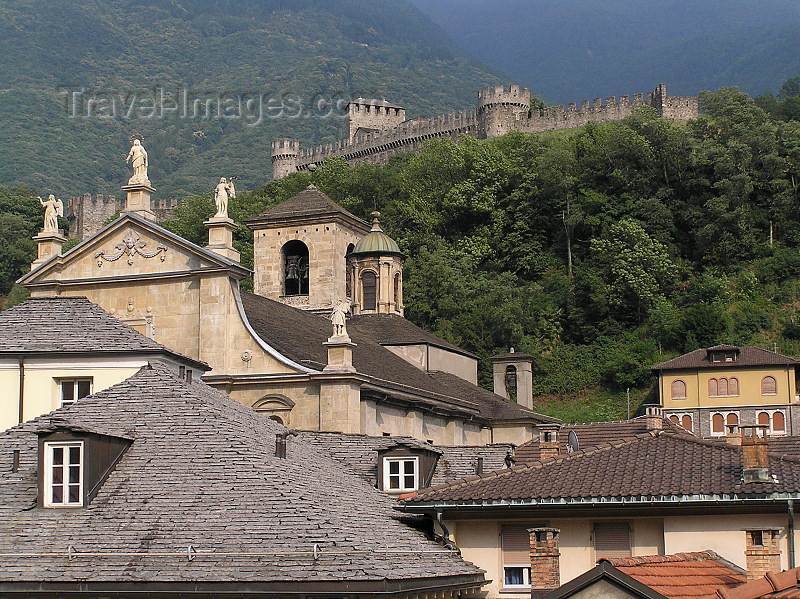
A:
{"x":372,"y":115}
{"x":300,"y":248}
{"x":284,"y":157}
{"x":376,"y":269}
{"x":499,"y":109}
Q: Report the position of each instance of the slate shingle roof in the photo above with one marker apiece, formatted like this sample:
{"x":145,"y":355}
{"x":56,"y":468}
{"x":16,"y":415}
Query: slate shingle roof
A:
{"x":309,"y":202}
{"x":359,"y":454}
{"x":748,"y":356}
{"x":299,"y":335}
{"x":390,"y":329}
{"x":694,"y":575}
{"x":656,"y":464}
{"x":593,"y":434}
{"x":201,"y":473}
{"x":74,"y":325}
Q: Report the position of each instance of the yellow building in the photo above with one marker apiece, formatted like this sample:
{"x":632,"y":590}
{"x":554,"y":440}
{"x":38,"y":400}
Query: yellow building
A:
{"x":714,"y":390}
{"x":55,"y":351}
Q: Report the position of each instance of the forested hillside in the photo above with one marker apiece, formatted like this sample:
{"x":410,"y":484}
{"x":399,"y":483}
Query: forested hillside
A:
{"x":79,"y":77}
{"x":600,"y":251}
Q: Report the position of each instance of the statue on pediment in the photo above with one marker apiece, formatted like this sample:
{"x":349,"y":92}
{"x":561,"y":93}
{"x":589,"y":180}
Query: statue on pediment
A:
{"x":138,"y":159}
{"x":222,"y":193}
{"x":53,"y":208}
{"x":338,"y":319}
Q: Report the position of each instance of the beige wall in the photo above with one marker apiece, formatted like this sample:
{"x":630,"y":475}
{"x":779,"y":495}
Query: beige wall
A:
{"x":428,"y":357}
{"x":603,"y":589}
{"x":722,"y":534}
{"x":479,"y":541}
{"x":749,"y":387}
{"x":43,"y":376}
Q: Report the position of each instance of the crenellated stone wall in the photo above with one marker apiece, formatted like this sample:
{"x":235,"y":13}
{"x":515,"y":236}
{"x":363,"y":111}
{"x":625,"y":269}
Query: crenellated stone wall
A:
{"x":376,"y":130}
{"x":86,"y":213}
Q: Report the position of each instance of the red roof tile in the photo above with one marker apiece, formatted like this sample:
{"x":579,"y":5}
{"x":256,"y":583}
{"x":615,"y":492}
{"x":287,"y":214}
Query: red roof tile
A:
{"x":781,"y":585}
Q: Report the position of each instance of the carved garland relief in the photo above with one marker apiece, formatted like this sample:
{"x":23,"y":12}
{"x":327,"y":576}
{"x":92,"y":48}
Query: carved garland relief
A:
{"x":131,"y":245}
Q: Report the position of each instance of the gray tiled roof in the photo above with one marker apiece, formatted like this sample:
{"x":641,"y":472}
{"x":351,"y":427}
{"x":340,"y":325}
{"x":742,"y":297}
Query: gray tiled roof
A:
{"x":391,"y":329}
{"x":299,"y":335}
{"x":201,"y":473}
{"x":309,"y":202}
{"x":748,"y":356}
{"x":359,"y":453}
{"x":666,"y":465}
{"x":74,"y":325}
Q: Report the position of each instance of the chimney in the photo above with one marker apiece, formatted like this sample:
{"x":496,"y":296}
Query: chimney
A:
{"x":548,"y":443}
{"x":755,"y":463}
{"x":545,"y":569}
{"x":280,"y":443}
{"x":762,"y":552}
{"x":732,"y":435}
{"x":654,"y":418}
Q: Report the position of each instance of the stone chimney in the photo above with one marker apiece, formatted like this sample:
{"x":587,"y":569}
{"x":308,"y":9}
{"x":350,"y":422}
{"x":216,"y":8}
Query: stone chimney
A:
{"x":732,"y":435}
{"x":762,"y":552}
{"x":755,"y":462}
{"x":545,"y":568}
{"x":654,"y":418}
{"x":548,"y":442}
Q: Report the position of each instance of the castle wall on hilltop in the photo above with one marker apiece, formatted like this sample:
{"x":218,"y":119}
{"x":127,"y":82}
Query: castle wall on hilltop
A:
{"x":376,"y":130}
{"x":86,"y":214}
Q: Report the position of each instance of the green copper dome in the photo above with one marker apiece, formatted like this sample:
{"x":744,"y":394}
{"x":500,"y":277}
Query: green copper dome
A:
{"x":376,"y":241}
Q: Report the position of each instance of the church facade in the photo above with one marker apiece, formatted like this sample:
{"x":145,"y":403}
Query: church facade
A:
{"x":273,"y":350}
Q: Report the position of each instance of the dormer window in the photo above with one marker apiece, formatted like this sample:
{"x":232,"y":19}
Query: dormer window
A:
{"x":63,"y":474}
{"x":400,"y":474}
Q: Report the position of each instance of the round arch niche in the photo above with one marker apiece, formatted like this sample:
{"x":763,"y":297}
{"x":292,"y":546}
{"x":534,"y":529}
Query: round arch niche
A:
{"x":294,"y":258}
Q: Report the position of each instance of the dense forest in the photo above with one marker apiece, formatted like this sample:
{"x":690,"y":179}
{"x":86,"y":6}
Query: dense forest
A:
{"x":601,"y":250}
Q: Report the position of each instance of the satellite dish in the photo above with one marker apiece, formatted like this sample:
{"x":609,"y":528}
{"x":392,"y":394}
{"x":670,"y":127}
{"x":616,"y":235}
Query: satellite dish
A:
{"x":572,"y":442}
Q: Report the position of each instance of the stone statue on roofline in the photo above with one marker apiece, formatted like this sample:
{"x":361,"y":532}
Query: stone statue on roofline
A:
{"x":53,"y":208}
{"x":138,"y":159}
{"x":338,"y":319}
{"x":222,"y":193}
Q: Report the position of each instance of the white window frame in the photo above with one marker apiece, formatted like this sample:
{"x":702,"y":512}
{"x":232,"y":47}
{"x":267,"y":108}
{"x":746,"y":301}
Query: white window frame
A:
{"x":724,"y":422}
{"x":64,"y":446}
{"x":387,"y":476}
{"x":680,"y":416}
{"x":526,"y":577}
{"x":771,"y":431}
{"x":74,"y":381}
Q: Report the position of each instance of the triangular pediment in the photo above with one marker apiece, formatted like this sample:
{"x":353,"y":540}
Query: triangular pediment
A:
{"x":130,"y":248}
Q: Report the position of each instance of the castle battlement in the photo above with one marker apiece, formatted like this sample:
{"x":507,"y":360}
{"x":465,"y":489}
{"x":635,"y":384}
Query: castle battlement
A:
{"x":378,"y":129}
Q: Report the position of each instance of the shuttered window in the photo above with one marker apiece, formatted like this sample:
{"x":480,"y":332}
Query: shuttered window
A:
{"x":769,"y":386}
{"x":678,"y":390}
{"x":612,"y":539}
{"x":516,"y":546}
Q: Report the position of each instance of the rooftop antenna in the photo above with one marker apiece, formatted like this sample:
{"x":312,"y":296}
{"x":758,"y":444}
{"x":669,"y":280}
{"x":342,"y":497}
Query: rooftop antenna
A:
{"x":572,"y":442}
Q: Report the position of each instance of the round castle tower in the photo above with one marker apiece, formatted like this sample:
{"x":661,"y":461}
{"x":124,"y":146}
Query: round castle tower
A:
{"x":284,"y":157}
{"x":498,"y":108}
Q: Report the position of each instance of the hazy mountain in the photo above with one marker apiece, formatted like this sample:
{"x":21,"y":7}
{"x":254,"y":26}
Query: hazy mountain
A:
{"x":78,"y":77}
{"x":568,"y":51}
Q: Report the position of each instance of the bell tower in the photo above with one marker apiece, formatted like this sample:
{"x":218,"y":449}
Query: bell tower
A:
{"x":300,"y":248}
{"x":376,"y":272}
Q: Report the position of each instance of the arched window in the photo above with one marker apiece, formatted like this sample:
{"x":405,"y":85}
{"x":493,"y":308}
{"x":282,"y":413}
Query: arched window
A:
{"x":778,"y":423}
{"x":397,"y":291}
{"x":674,"y":418}
{"x":723,"y":386}
{"x":733,"y":386}
{"x":732,"y":419}
{"x":369,"y":290}
{"x":686,"y":422}
{"x":713,"y":388}
{"x":763,"y":418}
{"x":295,"y":268}
{"x":769,"y":386}
{"x":348,"y":277}
{"x":717,"y":424}
{"x":276,"y":419}
{"x":511,"y":382}
{"x":678,"y":389}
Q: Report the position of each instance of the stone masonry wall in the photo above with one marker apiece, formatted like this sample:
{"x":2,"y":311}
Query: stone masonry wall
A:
{"x":86,"y":214}
{"x":499,"y":111}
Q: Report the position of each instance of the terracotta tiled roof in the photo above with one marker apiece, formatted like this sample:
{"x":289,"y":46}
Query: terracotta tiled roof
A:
{"x":593,"y":434}
{"x":748,"y":356}
{"x":653,"y":466}
{"x":781,"y":585}
{"x":201,"y":478}
{"x":77,"y":326}
{"x":299,"y":335}
{"x":695,"y":575}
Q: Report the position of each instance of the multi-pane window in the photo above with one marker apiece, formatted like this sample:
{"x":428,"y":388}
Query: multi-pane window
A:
{"x":723,"y":422}
{"x":775,"y":420}
{"x":685,"y":420}
{"x":723,"y":387}
{"x":74,"y":389}
{"x":400,"y":474}
{"x":63,"y":474}
{"x":516,"y":547}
